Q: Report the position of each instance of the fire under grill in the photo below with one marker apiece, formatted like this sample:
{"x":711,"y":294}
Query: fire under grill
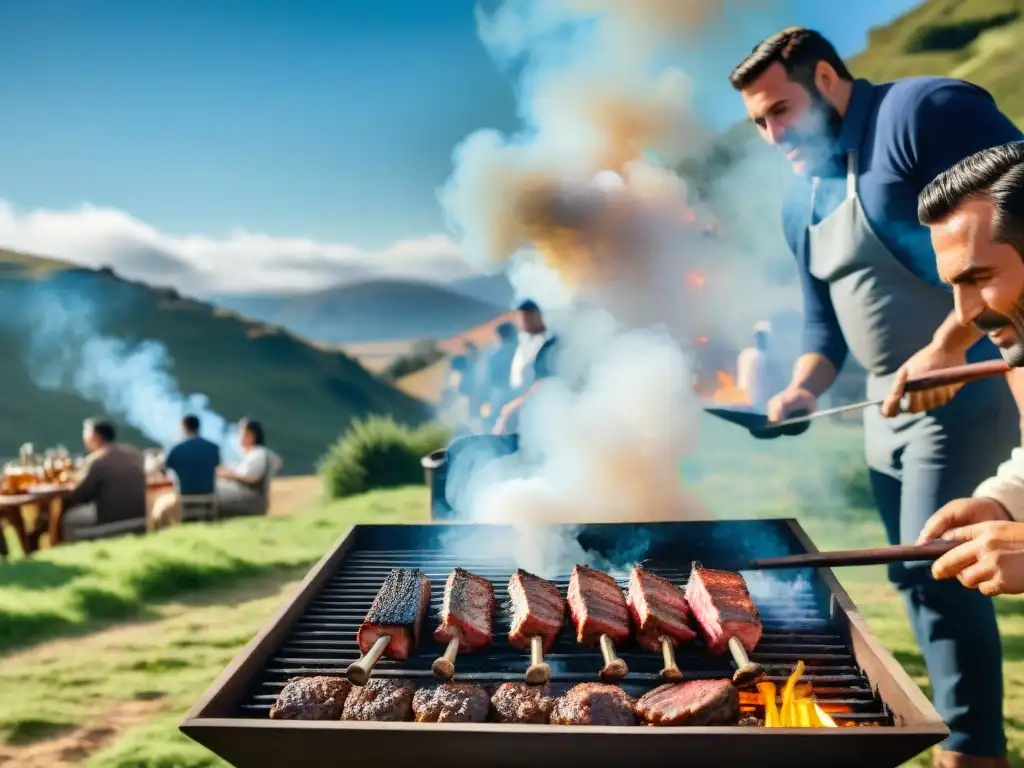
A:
{"x":884,"y":719}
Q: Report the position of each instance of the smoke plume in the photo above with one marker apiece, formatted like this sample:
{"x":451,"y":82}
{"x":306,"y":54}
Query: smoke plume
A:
{"x":581,"y":210}
{"x":66,"y":351}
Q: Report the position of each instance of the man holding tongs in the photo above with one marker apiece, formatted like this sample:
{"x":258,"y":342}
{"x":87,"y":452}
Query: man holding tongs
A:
{"x":975,"y":212}
{"x":862,"y":153}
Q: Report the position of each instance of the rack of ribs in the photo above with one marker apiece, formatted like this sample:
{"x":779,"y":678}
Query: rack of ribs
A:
{"x":727,"y":618}
{"x":392,"y":625}
{"x":467,"y":619}
{"x":662,"y":618}
{"x":538,"y":615}
{"x":600,"y":614}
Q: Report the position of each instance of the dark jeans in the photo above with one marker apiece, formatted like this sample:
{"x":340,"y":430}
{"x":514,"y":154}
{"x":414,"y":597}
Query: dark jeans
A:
{"x":935,"y":459}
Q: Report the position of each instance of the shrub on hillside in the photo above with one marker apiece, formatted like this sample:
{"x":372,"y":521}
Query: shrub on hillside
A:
{"x":424,"y":353}
{"x":378,"y":453}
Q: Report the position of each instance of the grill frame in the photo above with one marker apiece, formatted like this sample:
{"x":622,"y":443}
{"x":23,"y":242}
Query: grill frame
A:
{"x":246,"y":742}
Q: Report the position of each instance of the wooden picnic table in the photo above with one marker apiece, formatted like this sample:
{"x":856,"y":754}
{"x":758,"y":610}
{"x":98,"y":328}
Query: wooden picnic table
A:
{"x":12,"y":507}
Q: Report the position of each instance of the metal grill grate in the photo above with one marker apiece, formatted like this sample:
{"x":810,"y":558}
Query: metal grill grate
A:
{"x":323,"y":641}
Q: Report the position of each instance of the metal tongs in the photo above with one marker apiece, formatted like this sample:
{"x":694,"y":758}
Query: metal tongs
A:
{"x":759,"y":425}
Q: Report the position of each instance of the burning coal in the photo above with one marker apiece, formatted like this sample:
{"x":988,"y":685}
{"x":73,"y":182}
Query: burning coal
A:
{"x":65,"y":351}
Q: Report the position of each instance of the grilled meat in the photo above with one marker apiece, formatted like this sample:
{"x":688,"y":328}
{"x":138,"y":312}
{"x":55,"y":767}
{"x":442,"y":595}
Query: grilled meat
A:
{"x":522,"y":703}
{"x":451,"y":703}
{"x":312,"y":698}
{"x":398,"y":611}
{"x":594,"y":704}
{"x":538,"y":610}
{"x":467,"y":611}
{"x":659,"y":610}
{"x":380,"y":700}
{"x":722,"y":606}
{"x":696,"y":702}
{"x":597,"y":606}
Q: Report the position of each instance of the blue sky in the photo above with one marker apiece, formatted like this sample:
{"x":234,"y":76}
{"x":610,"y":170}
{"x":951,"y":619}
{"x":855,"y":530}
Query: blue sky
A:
{"x":330,"y":120}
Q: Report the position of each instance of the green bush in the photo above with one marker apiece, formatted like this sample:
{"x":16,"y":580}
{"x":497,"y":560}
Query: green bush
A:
{"x":378,"y":453}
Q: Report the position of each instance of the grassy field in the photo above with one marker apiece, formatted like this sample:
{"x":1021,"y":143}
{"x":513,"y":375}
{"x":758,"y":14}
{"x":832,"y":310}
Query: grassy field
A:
{"x":149,"y":623}
{"x":304,"y":395}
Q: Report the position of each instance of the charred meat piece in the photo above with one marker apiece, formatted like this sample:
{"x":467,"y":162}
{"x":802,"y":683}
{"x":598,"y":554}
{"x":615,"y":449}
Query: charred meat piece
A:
{"x":451,"y":703}
{"x":467,"y":611}
{"x":594,"y":704}
{"x":380,"y":700}
{"x":696,"y":702}
{"x":538,"y":610}
{"x":597,"y":606}
{"x":722,"y":606}
{"x":659,"y":610}
{"x":312,"y":698}
{"x":398,"y":611}
{"x":522,"y":703}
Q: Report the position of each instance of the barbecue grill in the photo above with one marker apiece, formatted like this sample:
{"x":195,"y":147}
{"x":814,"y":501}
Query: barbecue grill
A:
{"x":807,"y":616}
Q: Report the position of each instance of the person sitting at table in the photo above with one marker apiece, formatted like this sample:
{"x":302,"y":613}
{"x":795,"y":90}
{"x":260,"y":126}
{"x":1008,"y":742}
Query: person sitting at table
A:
{"x":194,"y":463}
{"x":113,"y":486}
{"x":245,"y":488}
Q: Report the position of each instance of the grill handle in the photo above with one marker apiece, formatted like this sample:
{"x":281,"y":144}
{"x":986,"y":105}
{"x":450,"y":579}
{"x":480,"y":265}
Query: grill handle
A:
{"x":904,"y":553}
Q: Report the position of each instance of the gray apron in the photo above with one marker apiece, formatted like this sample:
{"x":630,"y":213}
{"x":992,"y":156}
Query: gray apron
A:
{"x":921,"y":461}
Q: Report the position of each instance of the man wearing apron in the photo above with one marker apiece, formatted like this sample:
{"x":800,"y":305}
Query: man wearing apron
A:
{"x":862,"y":153}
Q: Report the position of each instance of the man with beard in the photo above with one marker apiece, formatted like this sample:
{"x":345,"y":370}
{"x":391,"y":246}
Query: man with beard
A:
{"x":862,"y":153}
{"x":976,"y":215}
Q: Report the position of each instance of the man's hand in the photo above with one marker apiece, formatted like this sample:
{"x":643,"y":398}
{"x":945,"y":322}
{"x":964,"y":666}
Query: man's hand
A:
{"x":931,"y":358}
{"x":990,"y":559}
{"x":788,"y":401}
{"x":960,"y":513}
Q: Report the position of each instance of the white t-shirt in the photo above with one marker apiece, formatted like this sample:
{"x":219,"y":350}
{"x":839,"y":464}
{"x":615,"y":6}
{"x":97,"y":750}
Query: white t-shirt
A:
{"x":255,"y":463}
{"x":527,"y":349}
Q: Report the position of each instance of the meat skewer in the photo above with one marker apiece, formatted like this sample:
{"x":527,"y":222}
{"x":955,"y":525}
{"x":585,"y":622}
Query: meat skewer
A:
{"x":662,"y":617}
{"x":392,"y":625}
{"x":538,"y":615}
{"x":727,"y":618}
{"x":467,"y":619}
{"x":600,"y":613}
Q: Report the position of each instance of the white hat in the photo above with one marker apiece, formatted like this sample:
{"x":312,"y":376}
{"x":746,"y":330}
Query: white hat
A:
{"x":762,"y":326}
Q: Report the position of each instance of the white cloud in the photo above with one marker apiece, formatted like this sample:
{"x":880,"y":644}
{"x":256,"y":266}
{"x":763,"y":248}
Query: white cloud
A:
{"x":202,"y":264}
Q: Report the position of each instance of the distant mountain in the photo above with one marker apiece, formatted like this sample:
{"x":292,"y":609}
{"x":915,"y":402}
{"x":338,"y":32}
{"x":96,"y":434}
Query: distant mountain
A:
{"x":79,"y":342}
{"x":494,"y":289}
{"x":374,"y":310}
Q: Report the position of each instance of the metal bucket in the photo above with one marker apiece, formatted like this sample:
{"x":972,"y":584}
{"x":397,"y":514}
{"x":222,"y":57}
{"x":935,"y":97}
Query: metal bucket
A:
{"x":476,"y":448}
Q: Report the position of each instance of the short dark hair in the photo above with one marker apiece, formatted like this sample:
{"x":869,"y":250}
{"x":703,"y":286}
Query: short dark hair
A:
{"x":995,"y":174}
{"x":528,"y":306}
{"x":255,"y":429}
{"x":797,"y":49}
{"x":102,"y":428}
{"x":190,"y":423}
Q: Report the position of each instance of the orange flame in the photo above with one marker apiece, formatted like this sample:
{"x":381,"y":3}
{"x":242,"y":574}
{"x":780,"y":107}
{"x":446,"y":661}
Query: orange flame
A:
{"x":798,"y":709}
{"x":727,"y":391}
{"x":695,"y":279}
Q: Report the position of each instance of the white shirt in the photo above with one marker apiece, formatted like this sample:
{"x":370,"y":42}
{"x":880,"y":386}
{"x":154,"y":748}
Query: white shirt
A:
{"x":1007,"y":485}
{"x":750,"y":375}
{"x":526,"y":351}
{"x":258,"y":462}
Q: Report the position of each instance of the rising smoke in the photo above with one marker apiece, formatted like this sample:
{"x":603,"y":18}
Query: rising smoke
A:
{"x":600,"y":234}
{"x":66,"y":351}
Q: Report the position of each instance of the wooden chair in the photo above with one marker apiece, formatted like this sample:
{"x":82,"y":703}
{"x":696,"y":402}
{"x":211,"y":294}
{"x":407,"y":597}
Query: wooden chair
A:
{"x":200,"y":507}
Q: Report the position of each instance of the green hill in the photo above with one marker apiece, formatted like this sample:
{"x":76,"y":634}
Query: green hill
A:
{"x":81,"y":334}
{"x":975,"y":40}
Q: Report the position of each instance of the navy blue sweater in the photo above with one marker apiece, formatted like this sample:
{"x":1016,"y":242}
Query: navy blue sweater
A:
{"x":905,"y":133}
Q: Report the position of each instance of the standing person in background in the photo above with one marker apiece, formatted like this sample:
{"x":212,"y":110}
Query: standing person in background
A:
{"x":498,"y":371}
{"x":194,"y":462}
{"x":754,"y":369}
{"x":861,"y":154}
{"x":245,"y":488}
{"x":532,"y":336}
